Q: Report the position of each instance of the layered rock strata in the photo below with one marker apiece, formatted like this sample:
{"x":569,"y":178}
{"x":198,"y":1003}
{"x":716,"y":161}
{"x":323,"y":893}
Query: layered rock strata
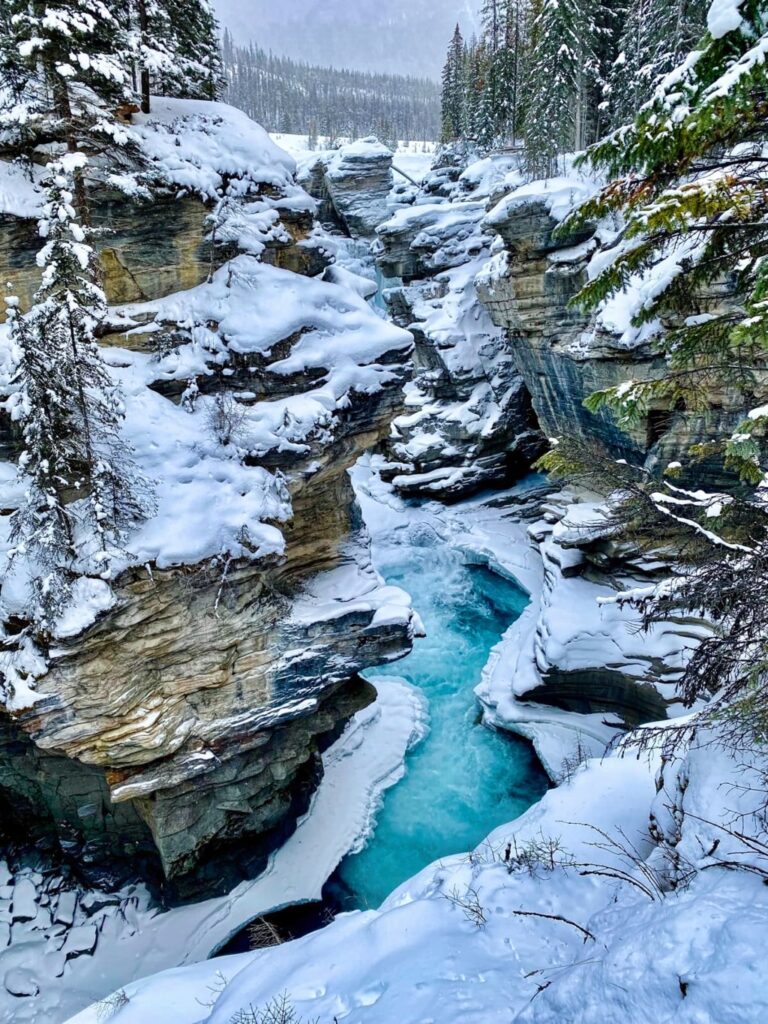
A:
{"x":565,"y":355}
{"x":577,"y":669}
{"x":178,"y":725}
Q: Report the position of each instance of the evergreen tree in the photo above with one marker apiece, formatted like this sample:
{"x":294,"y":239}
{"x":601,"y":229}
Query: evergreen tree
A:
{"x":177,"y":49}
{"x":486,"y":112}
{"x":492,"y":20}
{"x":65,"y":66}
{"x":657,"y":36}
{"x":199,"y":68}
{"x":688,"y":181}
{"x":474,"y":84}
{"x":453,"y":90}
{"x":686,"y":178}
{"x":83,"y":490}
{"x":490,"y":106}
{"x":509,"y":68}
{"x":562,"y":67}
{"x":276,"y":92}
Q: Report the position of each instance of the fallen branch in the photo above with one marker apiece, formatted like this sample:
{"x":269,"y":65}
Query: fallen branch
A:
{"x":557,"y":917}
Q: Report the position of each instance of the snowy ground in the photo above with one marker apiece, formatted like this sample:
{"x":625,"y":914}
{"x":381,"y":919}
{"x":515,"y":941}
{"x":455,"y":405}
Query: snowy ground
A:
{"x":608,"y":900}
{"x":548,"y":921}
{"x":116,"y":944}
{"x":415,"y":158}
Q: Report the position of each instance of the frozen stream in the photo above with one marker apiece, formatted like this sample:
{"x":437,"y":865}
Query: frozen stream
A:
{"x":462,"y":780}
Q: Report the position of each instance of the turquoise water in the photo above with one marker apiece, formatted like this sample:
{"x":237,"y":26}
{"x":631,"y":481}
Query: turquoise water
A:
{"x":462,"y":780}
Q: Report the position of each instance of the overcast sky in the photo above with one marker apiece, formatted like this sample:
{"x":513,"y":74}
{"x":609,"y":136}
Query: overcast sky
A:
{"x":403,"y":36}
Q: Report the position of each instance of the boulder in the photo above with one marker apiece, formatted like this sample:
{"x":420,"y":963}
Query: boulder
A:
{"x":352,"y":184}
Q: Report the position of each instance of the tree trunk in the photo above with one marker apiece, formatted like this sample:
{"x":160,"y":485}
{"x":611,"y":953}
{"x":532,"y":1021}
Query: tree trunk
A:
{"x":143,"y":31}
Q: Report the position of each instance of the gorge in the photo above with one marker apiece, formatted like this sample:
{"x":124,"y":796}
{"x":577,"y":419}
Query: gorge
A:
{"x":340,"y":384}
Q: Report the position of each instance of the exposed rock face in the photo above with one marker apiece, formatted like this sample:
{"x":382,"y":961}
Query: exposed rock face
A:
{"x":564,"y":357}
{"x":468,"y":422}
{"x":151,"y":249}
{"x":577,"y":664}
{"x":179,"y":734}
{"x":352,"y":185}
{"x":420,"y":241}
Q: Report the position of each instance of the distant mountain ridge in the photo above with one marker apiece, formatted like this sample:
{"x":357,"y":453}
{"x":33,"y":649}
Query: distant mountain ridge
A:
{"x":388,"y":36}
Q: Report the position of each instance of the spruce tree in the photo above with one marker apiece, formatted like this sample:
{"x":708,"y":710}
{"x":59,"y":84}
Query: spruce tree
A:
{"x":510,"y":67}
{"x":561,"y":65}
{"x":687,"y":179}
{"x":197,"y":53}
{"x":474,"y":86}
{"x":177,"y":49}
{"x":657,"y":36}
{"x":491,"y":113}
{"x":486,"y":111}
{"x":66,"y":66}
{"x":82,"y":488}
{"x":453,"y":90}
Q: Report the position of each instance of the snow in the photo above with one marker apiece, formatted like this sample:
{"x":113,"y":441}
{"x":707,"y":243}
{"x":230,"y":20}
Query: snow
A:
{"x":443,"y":235}
{"x":422,"y":959}
{"x":90,"y":598}
{"x":580,"y":920}
{"x":351,"y":589}
{"x":724,"y":16}
{"x":137,"y":940}
{"x":362,"y":149}
{"x":208,"y":501}
{"x":415,"y":158}
{"x":206,"y":504}
{"x":191,"y":145}
{"x":491,"y":174}
{"x":559,"y":195}
{"x":618,"y":312}
{"x":19,"y":192}
{"x":256,"y":306}
{"x":432,"y":219}
{"x":194,"y":143}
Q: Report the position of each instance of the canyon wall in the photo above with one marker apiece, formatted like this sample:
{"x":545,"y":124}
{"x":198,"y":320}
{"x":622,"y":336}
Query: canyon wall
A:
{"x":178,"y":734}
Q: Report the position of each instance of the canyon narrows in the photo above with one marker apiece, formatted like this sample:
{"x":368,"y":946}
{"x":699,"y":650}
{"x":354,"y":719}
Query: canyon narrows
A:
{"x":337,"y":382}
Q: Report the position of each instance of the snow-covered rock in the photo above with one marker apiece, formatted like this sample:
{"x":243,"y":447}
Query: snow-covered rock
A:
{"x":468,"y":421}
{"x":153,"y":219}
{"x":563,"y":916}
{"x":352,"y":185}
{"x":136,"y":938}
{"x":176,"y":731}
{"x":563,"y":354}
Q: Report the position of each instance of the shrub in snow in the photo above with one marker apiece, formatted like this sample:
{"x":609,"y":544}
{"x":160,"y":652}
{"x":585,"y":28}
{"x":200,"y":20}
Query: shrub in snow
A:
{"x":111,"y":1006}
{"x":225,"y":418}
{"x":278,"y":1011}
